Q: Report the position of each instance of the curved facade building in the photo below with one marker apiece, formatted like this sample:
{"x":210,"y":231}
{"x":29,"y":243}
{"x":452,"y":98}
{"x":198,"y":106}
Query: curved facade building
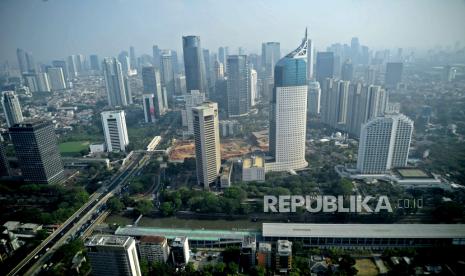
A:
{"x":288,"y":118}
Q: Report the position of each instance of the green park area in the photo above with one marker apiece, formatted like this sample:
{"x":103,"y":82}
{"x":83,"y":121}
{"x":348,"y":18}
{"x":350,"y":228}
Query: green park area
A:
{"x":73,"y":148}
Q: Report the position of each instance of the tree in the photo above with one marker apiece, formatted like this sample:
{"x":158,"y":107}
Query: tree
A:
{"x":167,"y":209}
{"x":144,"y":207}
{"x":115,"y":205}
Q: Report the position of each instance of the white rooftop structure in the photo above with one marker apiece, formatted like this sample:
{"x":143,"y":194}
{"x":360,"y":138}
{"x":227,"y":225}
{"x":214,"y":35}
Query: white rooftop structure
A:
{"x":302,"y":230}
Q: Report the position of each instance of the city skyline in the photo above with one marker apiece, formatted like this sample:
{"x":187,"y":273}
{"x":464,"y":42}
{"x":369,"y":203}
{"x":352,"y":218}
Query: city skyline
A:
{"x":39,"y":31}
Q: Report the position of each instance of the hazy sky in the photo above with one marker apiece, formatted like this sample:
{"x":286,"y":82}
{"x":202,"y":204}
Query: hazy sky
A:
{"x":56,"y":28}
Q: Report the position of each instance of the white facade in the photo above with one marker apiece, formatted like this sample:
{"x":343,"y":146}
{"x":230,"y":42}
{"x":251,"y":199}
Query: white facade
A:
{"x":11,"y":108}
{"x":43,"y":82}
{"x":253,"y":169}
{"x":291,"y":124}
{"x":154,"y":249}
{"x":314,"y":98}
{"x":384,"y":144}
{"x":180,"y":251}
{"x":253,"y":87}
{"x":207,"y":142}
{"x":114,"y":128}
{"x":57,"y":79}
{"x":113,"y":255}
{"x":195,"y":98}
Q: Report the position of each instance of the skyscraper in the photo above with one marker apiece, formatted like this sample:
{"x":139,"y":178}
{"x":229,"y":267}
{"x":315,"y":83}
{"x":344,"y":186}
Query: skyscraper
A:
{"x":194,"y":65}
{"x":31,"y":65}
{"x":393,"y":74}
{"x":310,"y":54}
{"x":62,"y":64}
{"x":288,"y":115}
{"x":253,"y":87}
{"x":167,"y":74}
{"x":334,"y":103}
{"x":271,"y":53}
{"x":57,"y":79}
{"x":347,"y":71}
{"x":43,"y":82}
{"x":94,"y":63}
{"x":149,"y":103}
{"x":37,"y":151}
{"x":355,"y":50}
{"x":238,"y":85}
{"x":4,"y":164}
{"x":132,"y":56}
{"x":11,"y":108}
{"x":72,"y":67}
{"x":324,"y":66}
{"x":207,"y":143}
{"x":223,"y":53}
{"x":114,"y":82}
{"x":152,"y":85}
{"x":384,"y":143}
{"x":113,"y":255}
{"x":156,"y":56}
{"x":123,"y":58}
{"x":114,"y":129}
{"x":22,"y":64}
{"x":314,"y":98}
{"x":195,"y":98}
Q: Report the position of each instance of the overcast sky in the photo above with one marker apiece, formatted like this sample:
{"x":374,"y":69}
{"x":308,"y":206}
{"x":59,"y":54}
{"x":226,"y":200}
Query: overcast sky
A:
{"x":56,"y":28}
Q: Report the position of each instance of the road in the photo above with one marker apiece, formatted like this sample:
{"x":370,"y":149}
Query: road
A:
{"x":79,"y":222}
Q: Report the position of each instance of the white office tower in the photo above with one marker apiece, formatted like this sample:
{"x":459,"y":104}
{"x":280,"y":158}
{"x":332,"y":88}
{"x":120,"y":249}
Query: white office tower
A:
{"x":288,"y":115}
{"x":114,"y":128}
{"x":180,"y":251}
{"x":195,"y":98}
{"x":149,"y":103}
{"x":384,"y":144}
{"x":314,"y":98}
{"x":152,"y":85}
{"x":113,"y":255}
{"x":43,"y":82}
{"x":11,"y":108}
{"x":207,"y":142}
{"x":154,"y":249}
{"x":253,"y":87}
{"x":114,"y":82}
{"x":57,"y":78}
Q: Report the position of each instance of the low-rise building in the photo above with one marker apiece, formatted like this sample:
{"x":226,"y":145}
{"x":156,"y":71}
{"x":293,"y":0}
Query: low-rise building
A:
{"x":264,"y":255}
{"x":283,"y":256}
{"x":154,"y":249}
{"x":225,"y":175}
{"x":180,"y":251}
{"x":253,"y":169}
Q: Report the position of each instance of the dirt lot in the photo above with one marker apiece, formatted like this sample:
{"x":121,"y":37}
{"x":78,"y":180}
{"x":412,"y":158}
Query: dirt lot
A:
{"x":229,"y":148}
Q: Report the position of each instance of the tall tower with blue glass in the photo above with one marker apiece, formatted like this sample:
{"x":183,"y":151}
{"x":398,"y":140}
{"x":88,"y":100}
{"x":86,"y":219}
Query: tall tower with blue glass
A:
{"x":288,"y":115}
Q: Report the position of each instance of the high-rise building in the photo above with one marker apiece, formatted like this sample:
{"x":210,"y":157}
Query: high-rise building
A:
{"x":347,"y":71}
{"x":43,"y":82}
{"x":153,"y":249}
{"x":57,"y":79}
{"x":114,"y":82}
{"x":253,"y":87}
{"x":22,"y":63}
{"x":288,"y":115}
{"x":314,"y":98}
{"x":4,"y":164}
{"x":37,"y":151}
{"x":334,"y":103}
{"x":31,"y":82}
{"x":283,"y":256}
{"x":207,"y":142}
{"x":156,"y":56}
{"x":167,"y":74}
{"x":393,"y":74}
{"x":152,"y":85}
{"x":94,"y":63}
{"x":115,"y":131}
{"x":149,"y":103}
{"x":72,"y":67}
{"x":384,"y":143}
{"x":223,"y":53}
{"x":355,"y":50}
{"x":324,"y":66}
{"x":195,"y":98}
{"x":180,"y":84}
{"x":113,"y":255}
{"x":123,"y":58}
{"x":271,"y":53}
{"x":194,"y":64}
{"x":80,"y":64}
{"x":208,"y":66}
{"x":238,"y":85}
{"x":180,"y":251}
{"x":11,"y":108}
{"x":64,"y":67}
{"x":31,"y":65}
{"x":132,"y":57}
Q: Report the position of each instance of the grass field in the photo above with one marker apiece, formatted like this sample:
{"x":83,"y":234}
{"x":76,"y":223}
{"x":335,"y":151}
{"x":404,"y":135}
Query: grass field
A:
{"x":366,"y":267}
{"x":73,"y":148}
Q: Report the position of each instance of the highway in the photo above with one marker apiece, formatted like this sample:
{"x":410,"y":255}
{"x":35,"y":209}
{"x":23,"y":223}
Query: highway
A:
{"x":77,"y":224}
